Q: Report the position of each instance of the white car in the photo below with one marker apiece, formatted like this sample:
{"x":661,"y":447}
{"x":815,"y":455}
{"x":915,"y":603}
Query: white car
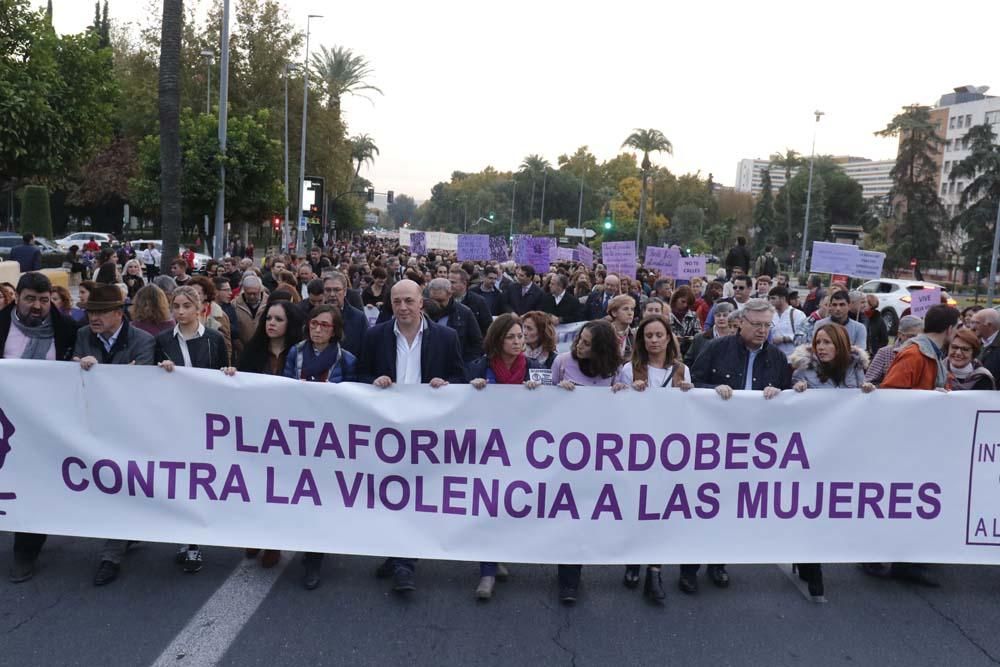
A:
{"x":79,"y":238}
{"x":200,"y":260}
{"x":894,"y":297}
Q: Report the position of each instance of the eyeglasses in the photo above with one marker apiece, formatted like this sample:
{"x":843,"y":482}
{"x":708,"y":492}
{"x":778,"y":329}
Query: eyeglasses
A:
{"x":758,"y":325}
{"x":961,"y":348}
{"x":318,"y":324}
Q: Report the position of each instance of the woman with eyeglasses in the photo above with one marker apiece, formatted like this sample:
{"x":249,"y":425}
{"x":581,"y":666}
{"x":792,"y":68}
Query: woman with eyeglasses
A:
{"x":964,"y":370}
{"x":320,"y":358}
{"x":910,"y":326}
{"x":683,"y":319}
{"x":828,"y":363}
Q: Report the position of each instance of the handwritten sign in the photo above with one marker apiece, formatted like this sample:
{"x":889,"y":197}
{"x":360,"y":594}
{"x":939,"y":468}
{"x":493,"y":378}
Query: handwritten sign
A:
{"x":473,"y":247}
{"x":691,"y":267}
{"x":834,"y":258}
{"x":498,"y":249}
{"x":565,"y":255}
{"x":519,"y":244}
{"x":921,"y":300}
{"x":666,"y":261}
{"x":869,"y":264}
{"x":418,"y":243}
{"x":584,"y":255}
{"x":538,"y":252}
{"x":619,"y":257}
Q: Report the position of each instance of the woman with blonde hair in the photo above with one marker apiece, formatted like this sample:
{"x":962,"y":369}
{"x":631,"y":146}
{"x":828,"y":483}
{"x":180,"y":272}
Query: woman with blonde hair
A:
{"x":621,"y":312}
{"x":133,"y":277}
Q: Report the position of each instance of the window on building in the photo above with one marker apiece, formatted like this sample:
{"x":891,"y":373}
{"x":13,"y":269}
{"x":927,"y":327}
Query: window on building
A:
{"x":992,"y":117}
{"x":947,"y":145}
{"x":951,"y":123}
{"x":947,"y":167}
{"x":958,"y":123}
{"x":968,"y":120}
{"x":951,"y":188}
{"x":944,"y":188}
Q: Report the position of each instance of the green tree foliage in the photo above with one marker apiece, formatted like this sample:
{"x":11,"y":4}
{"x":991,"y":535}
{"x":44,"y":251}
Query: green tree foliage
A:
{"x":56,"y":96}
{"x":763,"y":214}
{"x":788,"y":161}
{"x":402,"y":209}
{"x":342,"y":72}
{"x":36,"y":216}
{"x":646,"y":141}
{"x":982,"y":195}
{"x":919,"y":216}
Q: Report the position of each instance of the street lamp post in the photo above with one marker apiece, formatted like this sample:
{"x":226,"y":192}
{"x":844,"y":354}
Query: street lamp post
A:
{"x":285,"y":232}
{"x":305,"y":108}
{"x":220,"y":201}
{"x":541,"y":214}
{"x":513,"y":194}
{"x":809,"y":191}
{"x":209,"y":57}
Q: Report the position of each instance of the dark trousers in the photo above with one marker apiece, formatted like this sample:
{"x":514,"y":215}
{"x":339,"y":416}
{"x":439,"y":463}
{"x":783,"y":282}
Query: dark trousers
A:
{"x":405,"y":563}
{"x":312,"y":557}
{"x":569,"y":575}
{"x":692,"y":570}
{"x":27,"y":546}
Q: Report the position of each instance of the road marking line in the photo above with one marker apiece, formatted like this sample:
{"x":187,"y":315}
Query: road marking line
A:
{"x":800,"y":585}
{"x":212,"y":630}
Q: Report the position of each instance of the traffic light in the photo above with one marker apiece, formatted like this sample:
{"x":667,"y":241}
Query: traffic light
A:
{"x":276,"y":223}
{"x":371,"y":195}
{"x":493,"y":215}
{"x":913,"y":262}
{"x":608,"y":224}
{"x":388,"y":197}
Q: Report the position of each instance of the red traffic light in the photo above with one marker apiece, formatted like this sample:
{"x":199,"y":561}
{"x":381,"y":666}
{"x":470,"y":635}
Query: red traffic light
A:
{"x":913,"y":262}
{"x":276,"y":222}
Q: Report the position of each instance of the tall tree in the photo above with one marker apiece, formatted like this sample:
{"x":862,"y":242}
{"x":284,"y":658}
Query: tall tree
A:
{"x":648,"y":141}
{"x":919,"y":215}
{"x":788,"y":161}
{"x":535,"y":167}
{"x":170,"y":128}
{"x":342,"y":72}
{"x":981,"y":196}
{"x":763,"y":214}
{"x":363,"y":151}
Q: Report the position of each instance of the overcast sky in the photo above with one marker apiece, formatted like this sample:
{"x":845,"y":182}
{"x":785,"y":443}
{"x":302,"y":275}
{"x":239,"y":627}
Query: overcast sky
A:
{"x":471,"y":84}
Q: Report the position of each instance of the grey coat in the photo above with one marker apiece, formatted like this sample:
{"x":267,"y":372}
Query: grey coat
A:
{"x":805,"y":367}
{"x":132,"y":345}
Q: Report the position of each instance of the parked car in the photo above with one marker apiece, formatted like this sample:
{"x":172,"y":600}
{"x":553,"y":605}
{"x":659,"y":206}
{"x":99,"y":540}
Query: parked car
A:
{"x":200,"y":259}
{"x":894,"y":297}
{"x":79,"y":238}
{"x":9,"y":239}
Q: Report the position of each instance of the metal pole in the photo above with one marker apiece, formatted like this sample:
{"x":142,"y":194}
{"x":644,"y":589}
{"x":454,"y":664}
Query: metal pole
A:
{"x":642,"y":212}
{"x":208,"y":87}
{"x":579,"y":210}
{"x":991,"y":287}
{"x":220,"y":202}
{"x":541,"y":213}
{"x":513,"y":194}
{"x":302,"y":152}
{"x":285,"y":235}
{"x":809,"y":191}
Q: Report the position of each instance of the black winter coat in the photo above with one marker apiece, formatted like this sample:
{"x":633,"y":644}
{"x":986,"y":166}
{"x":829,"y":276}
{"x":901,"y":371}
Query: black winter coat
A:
{"x":63,"y":327}
{"x":724,"y":362}
{"x":207,"y":351}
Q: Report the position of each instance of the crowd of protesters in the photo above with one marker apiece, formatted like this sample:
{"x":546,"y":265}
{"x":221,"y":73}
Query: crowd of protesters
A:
{"x":367,"y":311}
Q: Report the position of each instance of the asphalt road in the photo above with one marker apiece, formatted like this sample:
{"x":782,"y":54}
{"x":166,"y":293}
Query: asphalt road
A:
{"x":156,"y":615}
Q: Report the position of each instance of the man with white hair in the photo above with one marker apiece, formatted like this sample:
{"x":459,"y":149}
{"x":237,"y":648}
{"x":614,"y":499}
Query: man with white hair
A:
{"x":986,"y":324}
{"x":249,"y":307}
{"x":457,"y":317}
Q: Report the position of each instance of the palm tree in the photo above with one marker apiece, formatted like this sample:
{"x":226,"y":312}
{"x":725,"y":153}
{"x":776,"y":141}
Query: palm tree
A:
{"x":648,"y":141}
{"x":788,"y":161}
{"x":170,"y":128}
{"x":342,"y":73}
{"x":363,"y":150}
{"x":534,"y":166}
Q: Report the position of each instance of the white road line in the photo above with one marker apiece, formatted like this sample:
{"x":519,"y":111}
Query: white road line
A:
{"x":211,"y":631}
{"x":800,"y":585}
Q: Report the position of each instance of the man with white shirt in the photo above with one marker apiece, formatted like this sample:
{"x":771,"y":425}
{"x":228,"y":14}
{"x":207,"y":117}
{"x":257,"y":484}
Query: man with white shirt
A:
{"x":563,"y":305}
{"x":788,"y":322}
{"x":408,"y":349}
{"x":986,"y":324}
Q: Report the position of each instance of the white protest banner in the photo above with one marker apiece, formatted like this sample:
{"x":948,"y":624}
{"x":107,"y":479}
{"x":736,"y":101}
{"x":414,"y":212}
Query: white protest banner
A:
{"x":551,"y":476}
{"x":834,"y":258}
{"x":691,"y":267}
{"x":565,"y":333}
{"x":619,"y":257}
{"x":869,"y":264}
{"x":921,"y":300}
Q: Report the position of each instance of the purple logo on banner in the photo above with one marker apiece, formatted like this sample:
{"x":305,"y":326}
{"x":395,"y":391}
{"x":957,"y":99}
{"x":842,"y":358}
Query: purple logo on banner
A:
{"x":585,"y":255}
{"x":539,"y":253}
{"x":665,"y":260}
{"x":473,"y":247}
{"x":691,"y":267}
{"x":498,"y":249}
{"x":619,"y":257}
{"x":418,"y":243}
{"x":6,"y":431}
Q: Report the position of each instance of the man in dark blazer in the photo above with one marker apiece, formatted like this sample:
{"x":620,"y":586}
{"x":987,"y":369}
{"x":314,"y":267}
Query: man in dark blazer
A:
{"x":355,"y":322}
{"x":564,"y":305}
{"x":408,"y":349}
{"x":524,"y":295}
{"x":463,"y":295}
{"x":40,"y":332}
{"x":490,"y":291}
{"x":597,"y":303}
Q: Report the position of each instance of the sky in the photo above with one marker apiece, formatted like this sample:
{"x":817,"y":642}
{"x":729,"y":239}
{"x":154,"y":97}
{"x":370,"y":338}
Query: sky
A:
{"x":471,"y":84}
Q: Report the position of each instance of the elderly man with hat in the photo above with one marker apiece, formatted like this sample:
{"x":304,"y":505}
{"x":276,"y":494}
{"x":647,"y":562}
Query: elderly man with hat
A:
{"x":109,"y":339}
{"x":32,"y":329}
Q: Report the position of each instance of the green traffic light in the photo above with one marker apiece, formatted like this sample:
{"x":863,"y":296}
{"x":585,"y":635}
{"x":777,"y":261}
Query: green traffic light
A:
{"x":607,"y":224}
{"x":492,"y":215}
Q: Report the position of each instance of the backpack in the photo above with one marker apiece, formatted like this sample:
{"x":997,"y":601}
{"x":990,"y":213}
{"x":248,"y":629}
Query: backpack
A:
{"x":770,"y":267}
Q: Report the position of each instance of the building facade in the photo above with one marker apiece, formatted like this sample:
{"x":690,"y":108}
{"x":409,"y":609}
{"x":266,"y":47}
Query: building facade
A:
{"x":957,"y":112}
{"x":872,"y":175}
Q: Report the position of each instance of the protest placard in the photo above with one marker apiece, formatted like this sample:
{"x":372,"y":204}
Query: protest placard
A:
{"x":619,"y":257}
{"x":921,"y":300}
{"x":665,"y":261}
{"x":473,"y":247}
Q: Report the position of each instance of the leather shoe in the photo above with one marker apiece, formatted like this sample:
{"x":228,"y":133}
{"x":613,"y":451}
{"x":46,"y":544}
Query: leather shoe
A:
{"x":21,"y":571}
{"x":106,"y":573}
{"x":385,"y":569}
{"x":718,"y":575}
{"x":631,"y":579}
{"x":311,"y":578}
{"x":688,"y":584}
{"x":402,"y":580}
{"x":270,"y":558}
{"x":503,"y":573}
{"x":252,"y":553}
{"x":567,"y":594}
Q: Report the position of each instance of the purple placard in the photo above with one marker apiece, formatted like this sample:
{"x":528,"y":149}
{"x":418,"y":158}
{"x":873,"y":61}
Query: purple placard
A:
{"x":498,"y":249}
{"x":664,"y":260}
{"x":691,"y":267}
{"x":418,"y":243}
{"x":519,"y":246}
{"x":473,"y":247}
{"x":921,"y":300}
{"x":619,"y":257}
{"x":538,"y":253}
{"x":565,"y":255}
{"x":585,"y":255}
